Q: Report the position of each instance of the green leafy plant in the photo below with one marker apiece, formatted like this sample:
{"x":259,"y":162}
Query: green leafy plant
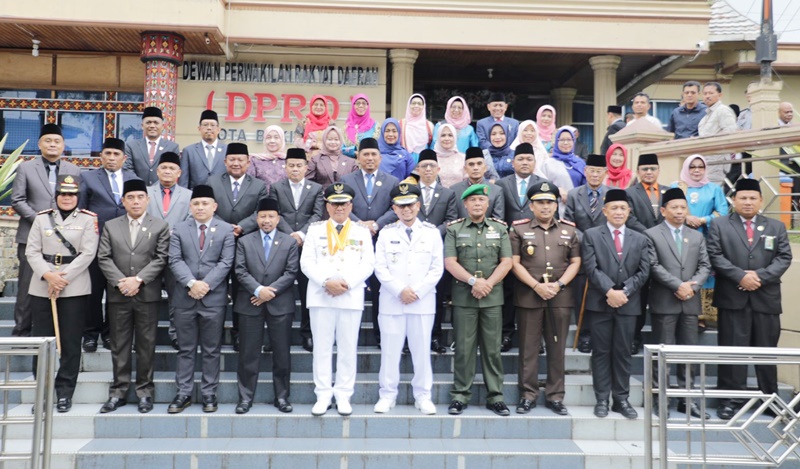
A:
{"x":9,"y":170}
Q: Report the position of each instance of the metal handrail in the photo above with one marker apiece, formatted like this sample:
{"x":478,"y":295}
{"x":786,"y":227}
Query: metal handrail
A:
{"x":783,"y":425}
{"x":44,"y":348}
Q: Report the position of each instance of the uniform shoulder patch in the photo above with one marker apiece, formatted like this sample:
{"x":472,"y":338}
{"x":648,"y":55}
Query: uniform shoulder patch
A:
{"x":455,"y":221}
{"x":521,"y":222}
{"x":88,"y":212}
{"x":48,"y":210}
{"x":567,"y":222}
{"x":499,"y":221}
{"x":429,"y":225}
{"x":318,"y":222}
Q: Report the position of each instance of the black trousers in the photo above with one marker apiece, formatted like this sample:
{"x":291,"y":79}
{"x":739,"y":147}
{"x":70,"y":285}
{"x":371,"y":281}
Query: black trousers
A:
{"x":442,"y":294}
{"x":22,"y":308}
{"x":611,"y":354}
{"x":509,"y":310}
{"x":577,"y":293}
{"x":71,"y":313}
{"x":305,"y":319}
{"x":96,"y":324}
{"x":375,"y":295}
{"x":747,"y":328}
{"x":251,"y":338}
{"x":133,"y":324}
{"x":642,"y":318}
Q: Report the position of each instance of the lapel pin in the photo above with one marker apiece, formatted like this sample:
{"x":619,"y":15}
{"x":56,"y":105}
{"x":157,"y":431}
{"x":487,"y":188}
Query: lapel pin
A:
{"x":144,"y":228}
{"x":213,"y":229}
{"x":379,"y":183}
{"x":308,"y":186}
{"x":276,"y":243}
{"x":160,"y":148}
{"x":760,"y":228}
{"x":685,"y":240}
{"x":436,"y":194}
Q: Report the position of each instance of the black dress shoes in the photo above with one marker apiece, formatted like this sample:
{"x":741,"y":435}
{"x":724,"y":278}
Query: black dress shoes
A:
{"x":308,"y":344}
{"x":437,"y":347}
{"x":456,"y":407}
{"x":90,"y":345}
{"x":112,"y":404}
{"x":235,"y":341}
{"x":175,"y":344}
{"x":624,"y":408}
{"x":656,"y":409}
{"x":525,"y":406}
{"x":210,"y":403}
{"x":585,"y":346}
{"x":505,"y":346}
{"x":499,"y":408}
{"x":557,"y":407}
{"x":64,"y":404}
{"x":179,"y":403}
{"x":601,"y":409}
{"x":107,"y":343}
{"x":542,"y":349}
{"x":693,"y":409}
{"x":145,"y":405}
{"x":636,"y":346}
{"x":243,"y":407}
{"x":283,"y":405}
{"x":726,"y":412}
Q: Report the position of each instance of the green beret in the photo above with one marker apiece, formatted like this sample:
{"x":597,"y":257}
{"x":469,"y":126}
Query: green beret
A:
{"x":475,"y":189}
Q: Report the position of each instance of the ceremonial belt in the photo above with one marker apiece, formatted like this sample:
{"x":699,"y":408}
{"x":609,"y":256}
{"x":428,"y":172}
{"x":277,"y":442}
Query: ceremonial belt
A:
{"x":58,"y":259}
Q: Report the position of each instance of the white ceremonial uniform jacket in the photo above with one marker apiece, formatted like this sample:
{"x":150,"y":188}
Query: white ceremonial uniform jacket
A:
{"x":400,"y":263}
{"x":355,"y":264}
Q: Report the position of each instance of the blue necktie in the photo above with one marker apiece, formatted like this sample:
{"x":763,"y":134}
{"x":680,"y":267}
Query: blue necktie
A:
{"x":523,"y":192}
{"x":267,"y":246}
{"x":235,"y":191}
{"x":370,"y":184}
{"x":115,"y":188}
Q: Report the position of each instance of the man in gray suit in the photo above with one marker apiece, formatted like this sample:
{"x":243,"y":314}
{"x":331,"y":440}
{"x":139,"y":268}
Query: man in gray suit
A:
{"x":372,"y":207}
{"x":750,"y":253}
{"x":237,"y":195}
{"x":143,"y":154}
{"x":617,"y":265}
{"x":679,"y":266}
{"x":169,"y":202}
{"x":33,"y":191}
{"x":101,"y":193}
{"x":132,"y":255}
{"x":267,"y":263}
{"x":300,"y":204}
{"x":199,"y":294}
{"x":207,"y":157}
{"x":475,"y":167}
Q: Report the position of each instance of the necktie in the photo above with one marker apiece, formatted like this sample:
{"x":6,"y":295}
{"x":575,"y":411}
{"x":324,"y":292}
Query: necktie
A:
{"x":370,"y":184}
{"x":678,"y":242}
{"x":408,"y":232}
{"x":523,"y":192}
{"x":654,"y":199}
{"x":235,"y":191}
{"x":594,"y":197}
{"x":618,"y":243}
{"x":51,"y":178}
{"x":115,"y":188}
{"x":296,"y":189}
{"x":210,"y":156}
{"x":426,"y":197}
{"x":166,"y":200}
{"x":267,"y":246}
{"x":202,"y":236}
{"x":134,"y":230}
{"x":339,"y":228}
{"x":749,"y":230}
{"x":152,"y":152}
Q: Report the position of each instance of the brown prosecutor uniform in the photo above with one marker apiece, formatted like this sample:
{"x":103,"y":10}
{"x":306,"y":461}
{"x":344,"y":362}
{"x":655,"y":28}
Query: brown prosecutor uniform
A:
{"x":538,"y":248}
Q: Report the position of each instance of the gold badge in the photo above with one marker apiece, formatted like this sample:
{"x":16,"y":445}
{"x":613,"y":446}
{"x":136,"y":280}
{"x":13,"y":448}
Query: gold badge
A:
{"x":69,"y":180}
{"x":485,"y":190}
{"x":545,"y":187}
{"x":403,"y":189}
{"x":491,"y":229}
{"x":338,"y":188}
{"x":530,"y":250}
{"x":564,"y":232}
{"x":48,"y":232}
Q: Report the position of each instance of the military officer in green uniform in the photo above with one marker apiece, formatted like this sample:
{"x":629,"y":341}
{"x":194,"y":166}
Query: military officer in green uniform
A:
{"x":478,"y":256}
{"x":546,"y":257}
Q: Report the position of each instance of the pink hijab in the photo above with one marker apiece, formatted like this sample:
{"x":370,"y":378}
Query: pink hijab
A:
{"x":415,"y":131}
{"x":462,"y":121}
{"x":686,"y":173}
{"x":546,"y":133}
{"x":356,"y":123}
{"x":278,"y":155}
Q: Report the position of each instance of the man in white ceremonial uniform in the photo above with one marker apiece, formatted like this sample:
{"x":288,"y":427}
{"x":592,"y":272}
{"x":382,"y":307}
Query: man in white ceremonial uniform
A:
{"x":337,"y":258}
{"x":409,"y":261}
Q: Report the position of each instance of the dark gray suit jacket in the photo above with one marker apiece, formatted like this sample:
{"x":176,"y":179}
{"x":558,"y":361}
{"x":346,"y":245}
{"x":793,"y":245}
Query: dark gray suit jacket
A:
{"x":178,"y":204}
{"x":31,"y":192}
{"x":379,"y":208}
{"x":605,"y":270}
{"x":243,"y":212}
{"x":496,"y":199}
{"x":279,"y":272}
{"x":194,"y":164}
{"x":96,"y":195}
{"x":147,"y":258}
{"x":513,"y":210}
{"x":577,"y":210}
{"x":297,"y":218}
{"x":731,"y":255}
{"x":668,"y":270}
{"x":642,"y":215}
{"x":211,"y":265}
{"x":138,"y":159}
{"x":443,"y":209}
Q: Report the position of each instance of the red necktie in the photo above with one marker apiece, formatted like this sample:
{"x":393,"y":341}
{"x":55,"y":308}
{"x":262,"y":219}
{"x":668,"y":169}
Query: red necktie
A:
{"x":618,"y":243}
{"x":202,"y":236}
{"x":749,"y":230}
{"x":166,"y":201}
{"x":152,"y":152}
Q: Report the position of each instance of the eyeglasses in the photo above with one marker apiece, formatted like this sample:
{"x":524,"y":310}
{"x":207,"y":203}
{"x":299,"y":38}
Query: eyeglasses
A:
{"x":697,"y":167}
{"x":648,"y":169}
{"x":360,"y":104}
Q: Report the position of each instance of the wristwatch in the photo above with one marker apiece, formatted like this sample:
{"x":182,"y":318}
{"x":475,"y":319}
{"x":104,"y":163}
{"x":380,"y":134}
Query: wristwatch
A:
{"x":191,"y":283}
{"x":139,"y":279}
{"x":561,"y":285}
{"x":472,"y":281}
{"x":374,"y":226}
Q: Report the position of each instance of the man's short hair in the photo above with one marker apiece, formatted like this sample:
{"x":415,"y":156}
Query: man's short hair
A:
{"x":715,"y":84}
{"x":692,"y":83}
{"x":646,"y":96}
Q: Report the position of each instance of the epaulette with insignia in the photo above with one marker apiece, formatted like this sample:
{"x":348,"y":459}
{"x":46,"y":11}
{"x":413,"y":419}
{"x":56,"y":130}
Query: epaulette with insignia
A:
{"x":45,"y":211}
{"x":567,"y":222}
{"x":88,"y":212}
{"x":499,"y":221}
{"x":455,"y":221}
{"x":521,"y":222}
{"x":429,"y":225}
{"x":318,"y":222}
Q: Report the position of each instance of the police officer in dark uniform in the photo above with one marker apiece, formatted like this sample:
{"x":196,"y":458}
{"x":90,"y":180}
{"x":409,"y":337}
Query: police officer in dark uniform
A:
{"x":546,"y":258}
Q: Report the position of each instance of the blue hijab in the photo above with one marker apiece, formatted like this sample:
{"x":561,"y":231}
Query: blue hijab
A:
{"x":572,"y":162}
{"x":502,"y":156}
{"x":395,"y":159}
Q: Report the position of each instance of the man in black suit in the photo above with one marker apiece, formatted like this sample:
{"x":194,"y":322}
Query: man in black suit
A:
{"x":300,"y":204}
{"x":237,"y":195}
{"x":645,"y":200}
{"x":438,"y":208}
{"x":517,"y":207}
{"x":205,"y":158}
{"x":615,"y":124}
{"x":267,"y":262}
{"x":475,"y":167}
{"x":749,"y":253}
{"x":101,"y":193}
{"x":372,"y":207}
{"x":617,"y":265}
{"x":144,"y":154}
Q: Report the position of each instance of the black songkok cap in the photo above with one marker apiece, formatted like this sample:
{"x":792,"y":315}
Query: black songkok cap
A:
{"x":672,"y":194}
{"x":615,"y":195}
{"x":747,"y":185}
{"x":523,"y":149}
{"x":647,"y":159}
{"x":267,"y":204}
{"x":368,"y":142}
{"x":427,"y":154}
{"x":474,"y":152}
{"x":133,"y":185}
{"x":152,"y":111}
{"x":598,"y":161}
{"x":202,"y":190}
{"x":237,"y":148}
{"x":50,"y":129}
{"x":114,"y":143}
{"x":170,"y":157}
{"x":614,"y":109}
{"x":497,"y":97}
{"x":210,"y":115}
{"x":296,"y":153}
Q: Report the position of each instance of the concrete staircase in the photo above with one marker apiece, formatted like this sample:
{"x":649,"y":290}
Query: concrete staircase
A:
{"x":403,"y":438}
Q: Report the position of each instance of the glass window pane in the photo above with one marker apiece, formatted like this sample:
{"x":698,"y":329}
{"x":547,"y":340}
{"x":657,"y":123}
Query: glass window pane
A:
{"x":664,"y":110}
{"x":83,"y":132}
{"x":582,"y":112}
{"x":81,"y":95}
{"x":131,"y":97}
{"x":129,"y":127}
{"x":21,"y":126}
{"x":29,"y":94}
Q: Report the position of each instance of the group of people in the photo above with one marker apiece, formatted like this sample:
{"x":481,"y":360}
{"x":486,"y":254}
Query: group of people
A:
{"x":517,"y":239}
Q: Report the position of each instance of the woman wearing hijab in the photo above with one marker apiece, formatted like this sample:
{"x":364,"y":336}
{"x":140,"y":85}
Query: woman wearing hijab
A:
{"x":395,"y":159}
{"x":528,"y":133}
{"x":308,"y":133}
{"x":546,"y":124}
{"x":269,"y":166}
{"x":500,"y":149}
{"x":619,"y":175}
{"x":457,"y":115}
{"x":545,"y":167}
{"x":451,"y":161}
{"x":417,"y":131}
{"x":359,"y":124}
{"x":564,"y":151}
{"x":330,"y":164}
{"x":706,"y":202}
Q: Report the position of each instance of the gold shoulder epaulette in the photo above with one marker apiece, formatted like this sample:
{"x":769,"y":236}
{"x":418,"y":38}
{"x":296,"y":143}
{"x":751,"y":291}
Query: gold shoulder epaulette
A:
{"x":455,"y":221}
{"x":44,"y":211}
{"x":88,"y":212}
{"x":429,"y":225}
{"x":522,"y":222}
